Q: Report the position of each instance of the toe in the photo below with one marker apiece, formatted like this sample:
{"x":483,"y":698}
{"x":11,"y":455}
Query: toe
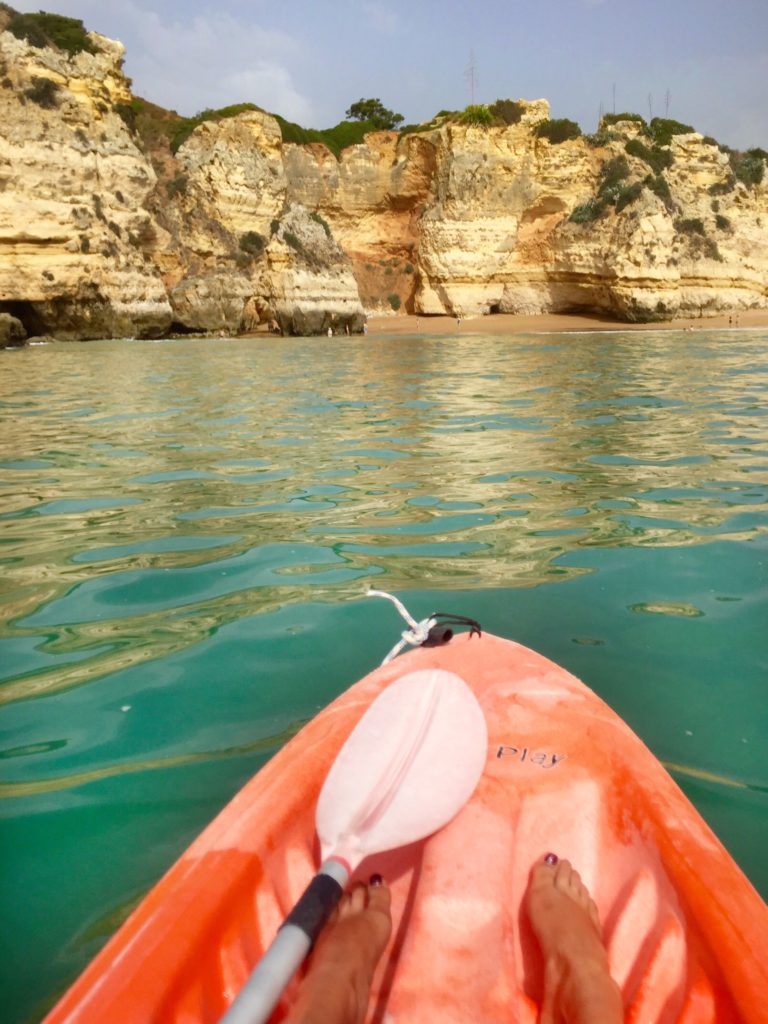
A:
{"x":379,"y":898}
{"x":594,"y":916}
{"x":358,"y":897}
{"x":543,"y":873}
{"x":563,"y":875}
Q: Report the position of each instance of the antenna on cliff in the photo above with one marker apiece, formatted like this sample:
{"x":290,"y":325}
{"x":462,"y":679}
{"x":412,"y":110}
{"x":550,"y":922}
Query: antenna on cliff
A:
{"x":650,"y":106}
{"x":667,"y":98}
{"x":471,"y":76}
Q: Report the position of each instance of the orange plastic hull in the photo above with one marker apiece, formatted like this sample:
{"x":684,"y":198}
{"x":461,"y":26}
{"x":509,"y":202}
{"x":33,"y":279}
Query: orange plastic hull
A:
{"x":687,"y":934}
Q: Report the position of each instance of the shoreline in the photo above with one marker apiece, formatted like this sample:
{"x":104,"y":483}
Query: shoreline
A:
{"x":555,"y":323}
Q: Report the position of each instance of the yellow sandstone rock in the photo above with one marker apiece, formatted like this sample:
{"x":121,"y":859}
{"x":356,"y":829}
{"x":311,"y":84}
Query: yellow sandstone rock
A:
{"x":239,"y":230}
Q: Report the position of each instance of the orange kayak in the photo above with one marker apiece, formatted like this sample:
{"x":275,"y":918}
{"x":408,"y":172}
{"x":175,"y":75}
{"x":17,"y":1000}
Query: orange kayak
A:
{"x":687,"y":934}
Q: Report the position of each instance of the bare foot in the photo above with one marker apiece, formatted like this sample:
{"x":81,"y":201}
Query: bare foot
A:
{"x":578,"y":988}
{"x":338,"y":982}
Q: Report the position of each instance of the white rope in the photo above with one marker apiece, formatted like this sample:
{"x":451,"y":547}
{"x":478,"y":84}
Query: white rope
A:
{"x":415,"y":636}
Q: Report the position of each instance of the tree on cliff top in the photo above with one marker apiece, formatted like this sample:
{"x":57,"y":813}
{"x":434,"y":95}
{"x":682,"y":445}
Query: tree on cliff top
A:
{"x":375,"y":113}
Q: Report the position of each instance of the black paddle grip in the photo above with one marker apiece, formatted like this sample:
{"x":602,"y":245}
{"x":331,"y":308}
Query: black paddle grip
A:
{"x":315,"y":905}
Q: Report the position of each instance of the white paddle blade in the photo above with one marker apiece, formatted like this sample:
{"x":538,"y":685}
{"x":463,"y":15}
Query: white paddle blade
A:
{"x":407,"y":768}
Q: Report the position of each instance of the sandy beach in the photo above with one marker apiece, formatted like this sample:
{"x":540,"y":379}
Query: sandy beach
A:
{"x":508,"y":323}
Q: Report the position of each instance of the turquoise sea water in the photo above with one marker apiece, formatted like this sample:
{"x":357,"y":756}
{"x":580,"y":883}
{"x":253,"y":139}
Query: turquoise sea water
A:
{"x":187,"y":530}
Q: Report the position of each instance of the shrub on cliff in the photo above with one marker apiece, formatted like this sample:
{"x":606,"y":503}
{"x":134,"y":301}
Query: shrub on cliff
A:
{"x":394,"y":301}
{"x":295,"y":243}
{"x":43,"y":91}
{"x":345,"y":133}
{"x":252,"y":243}
{"x":477,"y":114}
{"x":612,"y":191}
{"x":748,"y":167}
{"x":587,"y":212}
{"x":603,"y":137}
{"x":690,"y":226}
{"x":560,"y":129}
{"x":613,"y":171}
{"x":507,"y":111}
{"x":663,"y":128}
{"x":659,"y":185}
{"x":627,"y":195}
{"x":43,"y":29}
{"x":318,"y":219}
{"x":182,"y":129}
{"x":657,"y":159}
{"x":128,"y":112}
{"x":608,"y":119}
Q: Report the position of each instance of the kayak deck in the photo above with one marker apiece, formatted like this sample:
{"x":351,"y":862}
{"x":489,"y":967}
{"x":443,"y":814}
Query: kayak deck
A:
{"x":687,"y":935}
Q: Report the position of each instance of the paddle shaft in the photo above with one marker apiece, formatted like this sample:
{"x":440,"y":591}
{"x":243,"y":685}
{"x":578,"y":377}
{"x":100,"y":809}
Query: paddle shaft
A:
{"x":405,"y":770}
{"x":261,"y":992}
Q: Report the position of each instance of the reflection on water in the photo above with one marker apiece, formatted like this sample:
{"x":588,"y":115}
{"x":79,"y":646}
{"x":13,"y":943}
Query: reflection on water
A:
{"x":151,"y":492}
{"x":187,"y":529}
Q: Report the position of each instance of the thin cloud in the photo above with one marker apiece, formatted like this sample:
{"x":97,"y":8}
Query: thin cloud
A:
{"x":208,"y":60}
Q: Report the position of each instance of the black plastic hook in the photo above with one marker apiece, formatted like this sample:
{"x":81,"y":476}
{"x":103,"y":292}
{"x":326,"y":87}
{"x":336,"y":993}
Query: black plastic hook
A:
{"x":441,"y":632}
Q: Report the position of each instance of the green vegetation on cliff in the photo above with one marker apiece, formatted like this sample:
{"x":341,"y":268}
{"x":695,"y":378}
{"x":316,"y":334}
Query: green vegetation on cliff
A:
{"x":345,"y":133}
{"x":374,"y":112}
{"x":561,"y":129}
{"x":658,"y":159}
{"x":184,"y":127}
{"x":507,"y":111}
{"x":613,"y":190}
{"x":44,"y":29}
{"x":662,"y":129}
{"x":477,"y":114}
{"x":748,"y":167}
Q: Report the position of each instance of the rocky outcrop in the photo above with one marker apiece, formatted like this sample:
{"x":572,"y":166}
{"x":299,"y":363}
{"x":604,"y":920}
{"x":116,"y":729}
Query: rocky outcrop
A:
{"x":72,"y":190}
{"x":696,"y":247}
{"x":498,"y":234}
{"x":103,"y":234}
{"x":309,"y":279}
{"x":12,"y":333}
{"x":373,"y":198}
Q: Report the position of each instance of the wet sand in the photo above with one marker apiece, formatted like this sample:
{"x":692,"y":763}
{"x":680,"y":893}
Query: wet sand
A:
{"x":509,"y":323}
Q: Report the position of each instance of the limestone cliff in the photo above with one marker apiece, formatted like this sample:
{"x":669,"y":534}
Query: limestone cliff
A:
{"x":72,"y":191}
{"x":497,"y":233}
{"x":105,"y":232}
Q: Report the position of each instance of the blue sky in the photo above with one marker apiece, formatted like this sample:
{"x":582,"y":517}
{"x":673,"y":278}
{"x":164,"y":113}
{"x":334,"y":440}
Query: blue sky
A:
{"x":704,"y":62}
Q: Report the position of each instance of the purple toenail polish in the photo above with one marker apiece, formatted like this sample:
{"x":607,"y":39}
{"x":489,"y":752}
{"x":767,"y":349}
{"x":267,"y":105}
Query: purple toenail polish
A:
{"x":376,"y":880}
{"x":551,"y":858}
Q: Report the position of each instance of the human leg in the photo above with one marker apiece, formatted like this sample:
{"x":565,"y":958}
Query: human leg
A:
{"x":338,"y":982}
{"x":578,"y":987}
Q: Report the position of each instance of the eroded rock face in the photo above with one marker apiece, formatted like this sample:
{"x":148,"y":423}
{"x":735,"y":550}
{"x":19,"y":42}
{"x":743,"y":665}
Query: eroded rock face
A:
{"x":498,"y":234}
{"x":12,"y":332}
{"x":309,"y":279}
{"x":211,"y":303}
{"x":701,"y":251}
{"x":239,"y":231}
{"x":235,"y":178}
{"x":72,"y":192}
{"x":372,"y":197}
